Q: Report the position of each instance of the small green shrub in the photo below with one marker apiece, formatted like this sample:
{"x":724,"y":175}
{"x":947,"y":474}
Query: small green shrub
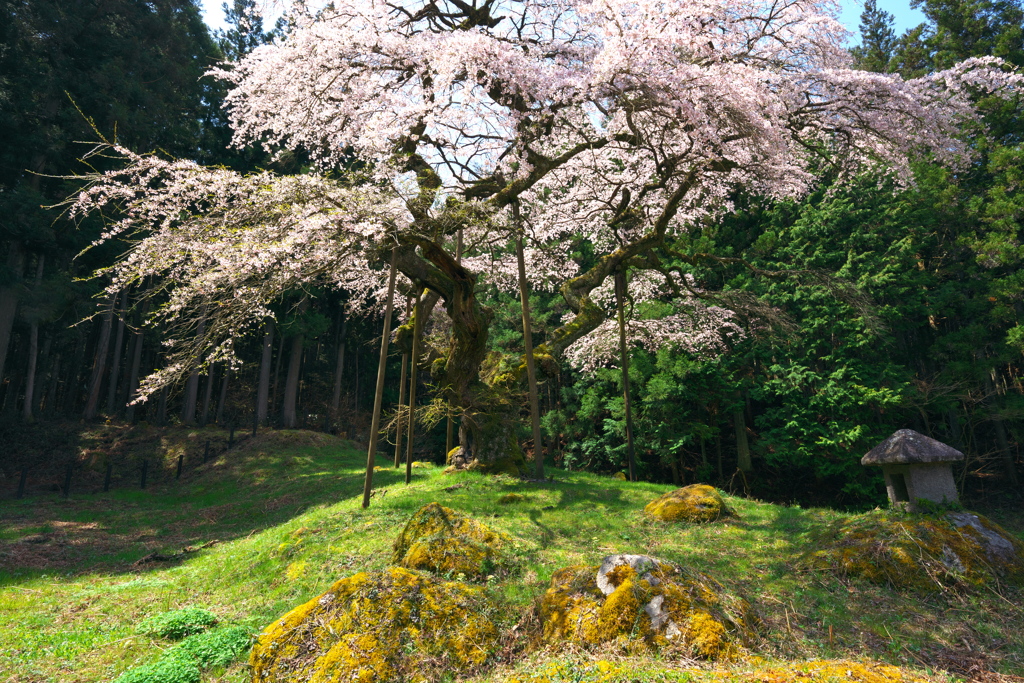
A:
{"x":178,"y":623}
{"x":168,"y":669}
{"x":218,"y":647}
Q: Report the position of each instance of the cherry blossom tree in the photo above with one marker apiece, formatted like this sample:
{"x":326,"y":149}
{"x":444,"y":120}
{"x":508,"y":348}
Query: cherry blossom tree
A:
{"x":618,"y":123}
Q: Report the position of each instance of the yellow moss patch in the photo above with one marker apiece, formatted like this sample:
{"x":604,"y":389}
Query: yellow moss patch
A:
{"x":817,"y":671}
{"x":510,"y":498}
{"x":826,"y":671}
{"x":925,"y":552}
{"x":695,"y":503}
{"x":663,"y":607}
{"x":621,"y":476}
{"x":439,"y":539}
{"x":295,"y":570}
{"x":558,"y":672}
{"x":394,"y":624}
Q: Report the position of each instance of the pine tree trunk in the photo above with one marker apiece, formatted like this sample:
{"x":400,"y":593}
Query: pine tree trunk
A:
{"x":9,"y":301}
{"x":49,"y":398}
{"x":719,"y":459}
{"x":223,"y":399}
{"x":115,"y":367}
{"x":620,"y":296}
{"x":135,"y":365}
{"x":274,"y":393}
{"x":161,"y":412}
{"x":339,"y":367}
{"x":33,"y":351}
{"x":211,"y":376}
{"x":355,"y":380}
{"x":188,"y":409}
{"x":263,"y":390}
{"x":72,"y":387}
{"x":291,"y":384}
{"x":1002,"y":442}
{"x":133,"y":376}
{"x":742,"y":446}
{"x":531,"y":371}
{"x":30,"y":377}
{"x":100,"y":362}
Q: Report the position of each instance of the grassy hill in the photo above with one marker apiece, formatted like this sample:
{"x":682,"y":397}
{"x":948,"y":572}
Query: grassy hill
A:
{"x":274,"y":521}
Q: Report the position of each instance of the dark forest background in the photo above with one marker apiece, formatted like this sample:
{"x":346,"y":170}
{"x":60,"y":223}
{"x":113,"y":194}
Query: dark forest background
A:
{"x":892,"y":309}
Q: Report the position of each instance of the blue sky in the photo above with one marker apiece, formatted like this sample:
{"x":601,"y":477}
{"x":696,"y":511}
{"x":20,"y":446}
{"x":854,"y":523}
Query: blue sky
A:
{"x":900,"y":9}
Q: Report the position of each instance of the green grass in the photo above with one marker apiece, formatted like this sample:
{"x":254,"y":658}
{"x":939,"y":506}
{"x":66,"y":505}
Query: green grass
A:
{"x":285,"y":511}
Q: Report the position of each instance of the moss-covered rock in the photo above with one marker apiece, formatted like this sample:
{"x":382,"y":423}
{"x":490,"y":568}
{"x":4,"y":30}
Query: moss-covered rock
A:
{"x":694,"y":503}
{"x":642,"y":603}
{"x":391,"y":625}
{"x":441,"y":540}
{"x":925,"y":552}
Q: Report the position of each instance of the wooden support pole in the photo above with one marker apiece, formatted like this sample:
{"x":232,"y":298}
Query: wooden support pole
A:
{"x":531,"y":370}
{"x":620,"y":297}
{"x":378,"y":397}
{"x":417,"y":330}
{"x":401,"y":394}
{"x":449,"y":437}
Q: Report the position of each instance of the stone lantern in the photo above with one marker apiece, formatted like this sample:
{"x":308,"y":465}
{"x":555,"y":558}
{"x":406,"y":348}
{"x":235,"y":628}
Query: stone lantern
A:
{"x":916,"y":467}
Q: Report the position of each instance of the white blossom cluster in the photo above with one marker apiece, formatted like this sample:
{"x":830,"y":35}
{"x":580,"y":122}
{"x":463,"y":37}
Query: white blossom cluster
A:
{"x":221,"y":246}
{"x":614,"y":123}
{"x":702,"y":331}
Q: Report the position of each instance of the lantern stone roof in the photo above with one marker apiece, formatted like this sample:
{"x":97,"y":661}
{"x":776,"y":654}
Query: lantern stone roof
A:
{"x":907,"y":447}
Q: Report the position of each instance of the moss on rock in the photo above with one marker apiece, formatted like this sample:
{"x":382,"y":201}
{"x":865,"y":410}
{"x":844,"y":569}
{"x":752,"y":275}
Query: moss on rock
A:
{"x":641,"y":604}
{"x":924,"y":552}
{"x":391,"y":625}
{"x":441,"y":540}
{"x":695,"y":503}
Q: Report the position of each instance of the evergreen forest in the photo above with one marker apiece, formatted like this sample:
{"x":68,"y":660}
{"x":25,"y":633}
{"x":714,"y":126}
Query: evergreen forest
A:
{"x":865,"y":308}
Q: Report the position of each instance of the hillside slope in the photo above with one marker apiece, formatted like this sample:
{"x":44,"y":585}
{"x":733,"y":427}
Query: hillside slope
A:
{"x":276,"y":520}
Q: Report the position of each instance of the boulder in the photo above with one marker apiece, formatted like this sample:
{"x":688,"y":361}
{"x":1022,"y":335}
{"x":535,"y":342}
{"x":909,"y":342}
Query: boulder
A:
{"x":642,"y":603}
{"x":926,"y":552}
{"x":441,"y":540}
{"x":694,"y":503}
{"x":395,"y":624}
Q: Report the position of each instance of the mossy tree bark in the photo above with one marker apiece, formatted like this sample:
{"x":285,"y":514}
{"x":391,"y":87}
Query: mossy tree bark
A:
{"x":423,"y":258}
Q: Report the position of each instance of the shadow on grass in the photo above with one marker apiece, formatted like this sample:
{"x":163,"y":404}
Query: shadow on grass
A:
{"x":259,"y":484}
